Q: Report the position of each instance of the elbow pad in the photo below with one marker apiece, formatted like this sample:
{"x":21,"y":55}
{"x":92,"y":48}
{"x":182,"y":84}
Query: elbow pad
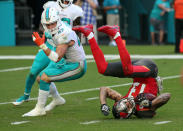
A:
{"x":53,"y":56}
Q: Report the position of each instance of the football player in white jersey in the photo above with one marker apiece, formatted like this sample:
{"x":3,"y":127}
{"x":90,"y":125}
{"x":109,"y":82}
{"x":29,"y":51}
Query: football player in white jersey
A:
{"x":69,"y":13}
{"x":71,"y":67}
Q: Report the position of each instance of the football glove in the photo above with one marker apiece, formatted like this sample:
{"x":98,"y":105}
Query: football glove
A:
{"x":37,"y":39}
{"x":105,"y":109}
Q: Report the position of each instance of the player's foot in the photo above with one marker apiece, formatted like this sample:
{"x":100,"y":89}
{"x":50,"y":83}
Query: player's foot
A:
{"x":54,"y":103}
{"x":20,"y":100}
{"x":35,"y":112}
{"x":86,"y":30}
{"x":109,"y":30}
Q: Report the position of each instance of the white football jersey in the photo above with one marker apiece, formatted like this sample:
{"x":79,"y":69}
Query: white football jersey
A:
{"x":68,"y":14}
{"x":74,"y":53}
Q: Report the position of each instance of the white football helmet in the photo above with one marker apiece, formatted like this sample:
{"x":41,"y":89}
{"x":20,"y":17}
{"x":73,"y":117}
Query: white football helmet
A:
{"x":50,"y":15}
{"x":122,"y":105}
{"x":124,"y":108}
{"x":64,"y":3}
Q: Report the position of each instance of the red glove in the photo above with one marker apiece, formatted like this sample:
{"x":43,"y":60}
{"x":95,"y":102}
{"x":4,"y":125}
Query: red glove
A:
{"x":37,"y":39}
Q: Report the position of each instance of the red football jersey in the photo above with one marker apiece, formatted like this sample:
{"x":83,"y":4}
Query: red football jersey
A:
{"x":141,"y":85}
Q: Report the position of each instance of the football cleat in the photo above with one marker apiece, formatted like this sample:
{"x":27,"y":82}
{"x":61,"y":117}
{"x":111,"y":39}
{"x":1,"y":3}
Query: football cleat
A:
{"x":35,"y":112}
{"x":86,"y":30}
{"x":54,"y":103}
{"x":109,"y":30}
{"x":19,"y":101}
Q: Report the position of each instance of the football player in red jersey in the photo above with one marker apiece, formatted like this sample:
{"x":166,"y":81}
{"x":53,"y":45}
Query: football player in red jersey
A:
{"x":141,"y":99}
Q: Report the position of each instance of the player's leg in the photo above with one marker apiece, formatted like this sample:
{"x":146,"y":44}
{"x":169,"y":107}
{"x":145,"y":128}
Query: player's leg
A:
{"x":39,"y":109}
{"x":62,"y":72}
{"x":96,"y":51}
{"x":57,"y":99}
{"x":40,"y":62}
{"x":127,"y":66}
{"x":124,"y":55}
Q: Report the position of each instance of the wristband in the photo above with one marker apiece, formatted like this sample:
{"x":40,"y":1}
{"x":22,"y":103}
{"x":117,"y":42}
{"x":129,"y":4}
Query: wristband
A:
{"x":43,"y":46}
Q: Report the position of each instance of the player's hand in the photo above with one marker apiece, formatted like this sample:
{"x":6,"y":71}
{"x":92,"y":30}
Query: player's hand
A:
{"x":37,"y":39}
{"x":105,"y":109}
{"x":142,"y":100}
{"x":140,"y":97}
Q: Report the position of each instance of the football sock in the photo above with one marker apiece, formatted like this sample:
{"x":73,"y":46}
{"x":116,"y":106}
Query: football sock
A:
{"x":97,"y":54}
{"x":53,"y":91}
{"x":42,"y":98}
{"x":29,"y":82}
{"x":124,"y":55}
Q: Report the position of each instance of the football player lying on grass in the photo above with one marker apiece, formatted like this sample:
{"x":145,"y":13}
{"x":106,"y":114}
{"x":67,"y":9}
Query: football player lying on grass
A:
{"x":142,"y":105}
{"x":141,"y":99}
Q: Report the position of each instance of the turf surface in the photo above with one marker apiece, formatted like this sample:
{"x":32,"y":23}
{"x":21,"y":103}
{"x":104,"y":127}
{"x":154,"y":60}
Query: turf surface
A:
{"x":78,"y":109}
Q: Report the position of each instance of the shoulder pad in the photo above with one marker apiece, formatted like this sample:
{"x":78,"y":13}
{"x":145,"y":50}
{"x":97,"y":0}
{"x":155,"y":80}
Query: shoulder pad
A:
{"x":63,"y":35}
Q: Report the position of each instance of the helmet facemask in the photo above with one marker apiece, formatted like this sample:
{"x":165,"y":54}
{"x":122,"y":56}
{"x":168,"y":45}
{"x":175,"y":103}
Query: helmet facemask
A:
{"x":64,"y":3}
{"x":126,"y":105}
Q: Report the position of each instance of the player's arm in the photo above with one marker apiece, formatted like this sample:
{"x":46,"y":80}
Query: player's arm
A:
{"x":60,"y":51}
{"x":160,"y":101}
{"x":106,"y":92}
{"x":54,"y":56}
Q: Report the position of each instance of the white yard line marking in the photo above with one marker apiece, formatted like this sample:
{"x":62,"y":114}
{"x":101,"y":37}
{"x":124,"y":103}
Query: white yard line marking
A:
{"x":93,"y":98}
{"x":88,"y":57}
{"x":171,"y":77}
{"x":19,"y":122}
{"x":94,"y":89}
{"x":161,"y":122}
{"x":17,"y":57}
{"x":107,"y":56}
{"x":90,"y":122}
{"x":16,"y":69}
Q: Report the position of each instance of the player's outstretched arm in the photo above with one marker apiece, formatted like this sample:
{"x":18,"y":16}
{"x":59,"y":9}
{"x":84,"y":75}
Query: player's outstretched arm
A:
{"x":160,"y":101}
{"x":54,"y":56}
{"x":106,"y":92}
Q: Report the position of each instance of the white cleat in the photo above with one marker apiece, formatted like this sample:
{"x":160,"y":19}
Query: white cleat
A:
{"x":35,"y":112}
{"x":20,"y":100}
{"x":54,"y":103}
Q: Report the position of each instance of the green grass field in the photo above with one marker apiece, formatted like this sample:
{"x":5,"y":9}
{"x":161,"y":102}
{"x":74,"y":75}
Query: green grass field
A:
{"x":78,"y":109}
